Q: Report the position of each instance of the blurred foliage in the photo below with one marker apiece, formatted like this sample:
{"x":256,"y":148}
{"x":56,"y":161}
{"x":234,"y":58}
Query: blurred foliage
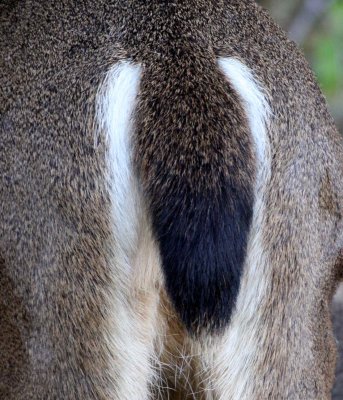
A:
{"x":317,"y":26}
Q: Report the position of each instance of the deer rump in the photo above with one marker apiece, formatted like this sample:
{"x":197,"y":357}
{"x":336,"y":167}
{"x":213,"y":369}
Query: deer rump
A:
{"x":195,"y":159}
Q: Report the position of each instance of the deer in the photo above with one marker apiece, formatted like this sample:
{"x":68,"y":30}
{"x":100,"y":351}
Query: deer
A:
{"x":171,"y":202}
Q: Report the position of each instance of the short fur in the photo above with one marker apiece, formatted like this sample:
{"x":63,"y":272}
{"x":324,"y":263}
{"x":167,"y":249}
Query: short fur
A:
{"x":195,"y":160}
{"x":74,"y":323}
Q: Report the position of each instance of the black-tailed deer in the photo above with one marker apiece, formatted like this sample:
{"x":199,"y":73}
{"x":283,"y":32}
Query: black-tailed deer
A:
{"x":171,"y":203}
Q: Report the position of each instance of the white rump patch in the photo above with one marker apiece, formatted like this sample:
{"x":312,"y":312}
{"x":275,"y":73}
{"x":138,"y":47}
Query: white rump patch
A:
{"x":238,"y":351}
{"x":253,"y":98}
{"x":129,"y":351}
{"x":116,"y":104}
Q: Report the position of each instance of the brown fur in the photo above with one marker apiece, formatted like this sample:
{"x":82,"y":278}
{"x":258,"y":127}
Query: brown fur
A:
{"x":55,"y":233}
{"x":338,"y":324}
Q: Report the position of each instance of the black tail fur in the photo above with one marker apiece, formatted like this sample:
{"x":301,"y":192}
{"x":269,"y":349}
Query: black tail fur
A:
{"x":195,"y":159}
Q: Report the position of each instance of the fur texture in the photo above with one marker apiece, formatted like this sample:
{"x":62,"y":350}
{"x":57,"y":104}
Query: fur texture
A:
{"x":195,"y":158}
{"x":90,"y":235}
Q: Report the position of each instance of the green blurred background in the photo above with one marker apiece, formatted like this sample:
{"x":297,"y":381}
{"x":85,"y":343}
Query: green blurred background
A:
{"x":317,"y":26}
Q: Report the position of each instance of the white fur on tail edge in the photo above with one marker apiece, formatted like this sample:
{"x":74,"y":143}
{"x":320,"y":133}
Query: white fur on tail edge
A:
{"x":129,"y":358}
{"x":117,"y":102}
{"x":253,"y":98}
{"x":239,"y":350}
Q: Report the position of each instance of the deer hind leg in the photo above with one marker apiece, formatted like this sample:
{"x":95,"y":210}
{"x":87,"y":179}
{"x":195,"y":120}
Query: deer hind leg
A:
{"x":279,"y":343}
{"x":135,"y":332}
{"x":132,"y":332}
